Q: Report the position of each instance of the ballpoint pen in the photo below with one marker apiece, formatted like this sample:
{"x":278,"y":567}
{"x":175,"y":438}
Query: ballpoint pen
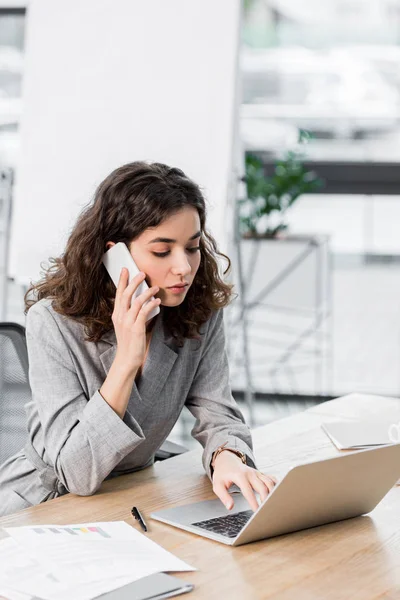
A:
{"x":137,"y":515}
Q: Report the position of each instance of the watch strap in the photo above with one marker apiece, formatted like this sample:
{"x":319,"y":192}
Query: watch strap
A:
{"x":223,"y":447}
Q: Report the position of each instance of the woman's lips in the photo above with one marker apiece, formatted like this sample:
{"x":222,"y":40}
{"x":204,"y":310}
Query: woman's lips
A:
{"x":178,"y":289}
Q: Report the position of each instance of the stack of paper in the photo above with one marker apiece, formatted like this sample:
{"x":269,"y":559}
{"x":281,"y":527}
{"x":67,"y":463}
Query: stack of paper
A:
{"x":79,"y":561}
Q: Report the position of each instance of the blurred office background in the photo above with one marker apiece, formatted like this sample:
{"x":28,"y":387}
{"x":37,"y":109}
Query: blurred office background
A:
{"x":331,"y":69}
{"x":317,"y":314}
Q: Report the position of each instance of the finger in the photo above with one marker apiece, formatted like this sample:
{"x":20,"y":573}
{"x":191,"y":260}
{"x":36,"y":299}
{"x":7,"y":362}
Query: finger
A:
{"x":146,"y":295}
{"x":146,"y":310}
{"x":247,"y":492}
{"x":265,"y":476}
{"x":122,"y":283}
{"x":268,"y":480}
{"x":129,"y":291}
{"x":260,"y":487}
{"x":221,"y":491}
{"x":140,"y":301}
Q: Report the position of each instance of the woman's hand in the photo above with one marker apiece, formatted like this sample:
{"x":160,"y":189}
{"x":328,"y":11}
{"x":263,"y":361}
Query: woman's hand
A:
{"x":229,"y":469}
{"x":130,"y":321}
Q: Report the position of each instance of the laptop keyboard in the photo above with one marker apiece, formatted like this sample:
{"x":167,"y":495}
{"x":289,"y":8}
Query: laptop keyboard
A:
{"x":229,"y":526}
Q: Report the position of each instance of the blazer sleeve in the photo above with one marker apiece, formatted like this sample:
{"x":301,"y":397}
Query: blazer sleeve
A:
{"x":84,"y":439}
{"x":210,"y":400}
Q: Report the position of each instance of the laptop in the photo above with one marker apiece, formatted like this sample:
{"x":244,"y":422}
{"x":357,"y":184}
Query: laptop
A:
{"x":309,"y":495}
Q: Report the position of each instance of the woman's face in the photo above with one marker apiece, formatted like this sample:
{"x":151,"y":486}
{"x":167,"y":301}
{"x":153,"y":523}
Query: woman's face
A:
{"x":169,"y":254}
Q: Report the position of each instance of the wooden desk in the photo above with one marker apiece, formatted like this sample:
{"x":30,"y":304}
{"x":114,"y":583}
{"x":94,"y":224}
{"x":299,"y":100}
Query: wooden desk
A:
{"x":358,"y":559}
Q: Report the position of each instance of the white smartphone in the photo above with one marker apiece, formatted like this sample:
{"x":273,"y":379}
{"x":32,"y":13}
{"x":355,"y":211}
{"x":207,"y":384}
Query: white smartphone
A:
{"x":118,"y":257}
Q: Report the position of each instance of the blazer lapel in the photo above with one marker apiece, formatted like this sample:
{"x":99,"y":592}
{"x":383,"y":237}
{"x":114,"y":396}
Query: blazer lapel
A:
{"x":108,"y":349}
{"x":161,"y":357}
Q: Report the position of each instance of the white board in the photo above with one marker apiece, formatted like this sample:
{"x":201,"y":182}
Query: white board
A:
{"x":112,"y":81}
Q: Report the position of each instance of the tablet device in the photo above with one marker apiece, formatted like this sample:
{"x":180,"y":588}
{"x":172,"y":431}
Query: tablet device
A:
{"x":152,"y":587}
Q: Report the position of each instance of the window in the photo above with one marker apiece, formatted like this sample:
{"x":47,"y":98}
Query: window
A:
{"x":331,"y":68}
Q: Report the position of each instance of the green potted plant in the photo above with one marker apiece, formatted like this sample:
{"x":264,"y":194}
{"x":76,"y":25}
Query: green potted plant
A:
{"x":262,"y":213}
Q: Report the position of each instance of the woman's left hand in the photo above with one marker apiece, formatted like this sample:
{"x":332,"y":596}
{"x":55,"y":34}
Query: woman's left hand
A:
{"x":229,"y":469}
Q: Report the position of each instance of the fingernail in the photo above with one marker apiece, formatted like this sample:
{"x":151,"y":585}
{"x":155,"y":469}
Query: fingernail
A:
{"x":228,"y":506}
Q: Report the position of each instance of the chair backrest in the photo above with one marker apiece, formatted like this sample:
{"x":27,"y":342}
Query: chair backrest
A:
{"x":14,"y":389}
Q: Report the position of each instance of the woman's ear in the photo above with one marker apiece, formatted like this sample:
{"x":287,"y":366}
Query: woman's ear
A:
{"x":110,"y":245}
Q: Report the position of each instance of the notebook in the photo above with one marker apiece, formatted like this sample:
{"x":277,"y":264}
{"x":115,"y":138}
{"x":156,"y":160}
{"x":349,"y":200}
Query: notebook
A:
{"x":358,"y":434}
{"x":153,"y":587}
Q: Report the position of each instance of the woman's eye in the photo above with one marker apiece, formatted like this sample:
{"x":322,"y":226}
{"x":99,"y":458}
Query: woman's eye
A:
{"x":162,"y":254}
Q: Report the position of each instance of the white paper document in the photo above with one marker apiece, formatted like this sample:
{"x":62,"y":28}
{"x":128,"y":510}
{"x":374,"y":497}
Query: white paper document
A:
{"x":79,"y":561}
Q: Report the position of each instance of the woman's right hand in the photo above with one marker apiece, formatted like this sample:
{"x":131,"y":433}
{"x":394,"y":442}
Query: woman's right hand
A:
{"x":130,"y":321}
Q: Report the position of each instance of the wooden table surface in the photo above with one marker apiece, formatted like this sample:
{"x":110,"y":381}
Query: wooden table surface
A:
{"x":358,"y":559}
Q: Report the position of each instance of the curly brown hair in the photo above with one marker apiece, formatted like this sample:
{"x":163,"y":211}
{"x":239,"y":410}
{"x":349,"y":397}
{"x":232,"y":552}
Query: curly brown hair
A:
{"x":131,"y":199}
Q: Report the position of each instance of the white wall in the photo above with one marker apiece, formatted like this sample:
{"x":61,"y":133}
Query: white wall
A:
{"x":112,"y":81}
{"x":14,"y":3}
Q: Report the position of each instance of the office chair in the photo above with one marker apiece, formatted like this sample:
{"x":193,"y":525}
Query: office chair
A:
{"x":14,"y":389}
{"x":15,"y":393}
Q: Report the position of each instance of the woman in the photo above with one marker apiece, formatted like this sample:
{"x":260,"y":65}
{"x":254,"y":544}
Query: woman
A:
{"x":107,"y":386}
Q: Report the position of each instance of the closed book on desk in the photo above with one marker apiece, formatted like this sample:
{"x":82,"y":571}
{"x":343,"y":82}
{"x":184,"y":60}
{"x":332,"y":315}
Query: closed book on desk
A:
{"x":153,"y":587}
{"x":357,"y":434}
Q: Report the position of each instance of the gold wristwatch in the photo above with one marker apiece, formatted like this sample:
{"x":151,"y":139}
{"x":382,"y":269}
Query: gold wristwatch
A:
{"x":220,"y":449}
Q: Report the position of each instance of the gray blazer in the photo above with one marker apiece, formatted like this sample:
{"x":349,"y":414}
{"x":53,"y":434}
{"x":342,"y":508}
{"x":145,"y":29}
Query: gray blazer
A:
{"x":76,"y":440}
